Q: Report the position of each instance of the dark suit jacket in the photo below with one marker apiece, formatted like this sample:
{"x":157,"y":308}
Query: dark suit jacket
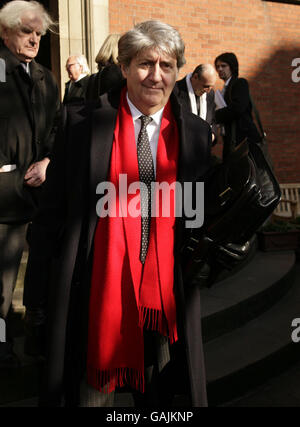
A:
{"x":29,"y":114}
{"x":77,"y":92}
{"x":67,"y":221}
{"x":103,"y":81}
{"x":238,"y":110}
{"x":182,"y":92}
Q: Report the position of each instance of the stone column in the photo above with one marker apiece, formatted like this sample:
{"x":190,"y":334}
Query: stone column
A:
{"x":83,"y":26}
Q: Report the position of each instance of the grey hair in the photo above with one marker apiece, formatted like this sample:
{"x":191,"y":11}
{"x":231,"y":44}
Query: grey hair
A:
{"x":204,"y":68}
{"x":11,"y":15}
{"x":81,"y":59}
{"x":151,"y":35}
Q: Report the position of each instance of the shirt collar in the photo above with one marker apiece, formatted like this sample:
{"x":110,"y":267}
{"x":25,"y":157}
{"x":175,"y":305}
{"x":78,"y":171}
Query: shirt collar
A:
{"x":227,"y":81}
{"x":80,"y":77}
{"x":26,"y":67}
{"x":136,"y":114}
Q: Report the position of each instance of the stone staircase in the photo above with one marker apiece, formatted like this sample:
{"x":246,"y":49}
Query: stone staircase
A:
{"x":247,"y":325}
{"x":246,"y":322}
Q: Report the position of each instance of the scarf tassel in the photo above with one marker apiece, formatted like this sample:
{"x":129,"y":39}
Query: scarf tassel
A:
{"x":107,"y":381}
{"x":153,"y":320}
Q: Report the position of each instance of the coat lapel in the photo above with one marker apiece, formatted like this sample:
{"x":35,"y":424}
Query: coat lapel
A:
{"x":103,"y":125}
{"x":187,"y":161}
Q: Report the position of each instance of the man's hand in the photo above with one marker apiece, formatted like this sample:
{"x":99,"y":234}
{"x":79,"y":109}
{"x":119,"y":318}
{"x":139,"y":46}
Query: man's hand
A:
{"x":36,"y":173}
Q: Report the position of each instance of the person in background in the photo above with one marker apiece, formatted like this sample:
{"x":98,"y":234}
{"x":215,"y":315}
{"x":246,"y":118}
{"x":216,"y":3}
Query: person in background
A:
{"x":119,"y":312}
{"x":79,"y":74}
{"x":109,"y":74}
{"x":195,"y":92}
{"x":235,"y":108}
{"x":29,"y":114}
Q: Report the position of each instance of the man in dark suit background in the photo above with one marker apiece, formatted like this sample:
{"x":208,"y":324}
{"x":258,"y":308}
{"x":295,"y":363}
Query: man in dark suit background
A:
{"x":196,"y":94}
{"x":79,"y":74}
{"x":29,"y":110}
{"x":237,"y":110}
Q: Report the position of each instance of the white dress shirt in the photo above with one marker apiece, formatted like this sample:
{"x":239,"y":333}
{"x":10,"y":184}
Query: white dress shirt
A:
{"x":152,"y":129}
{"x":203,"y":99}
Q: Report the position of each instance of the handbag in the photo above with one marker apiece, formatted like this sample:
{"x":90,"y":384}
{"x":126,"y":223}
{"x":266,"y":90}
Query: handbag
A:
{"x":240,"y":195}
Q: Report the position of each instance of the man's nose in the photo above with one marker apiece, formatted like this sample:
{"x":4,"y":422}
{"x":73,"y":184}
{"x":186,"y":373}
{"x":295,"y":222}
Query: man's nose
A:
{"x":156,"y":73}
{"x":34,"y":38}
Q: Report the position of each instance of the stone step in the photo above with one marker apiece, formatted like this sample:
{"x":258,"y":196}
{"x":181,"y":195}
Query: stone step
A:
{"x":238,"y":299}
{"x":247,"y":357}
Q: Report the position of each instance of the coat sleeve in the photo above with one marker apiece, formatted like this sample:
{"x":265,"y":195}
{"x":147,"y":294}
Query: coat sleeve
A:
{"x":46,"y":230}
{"x":239,"y":102}
{"x":56,"y":116}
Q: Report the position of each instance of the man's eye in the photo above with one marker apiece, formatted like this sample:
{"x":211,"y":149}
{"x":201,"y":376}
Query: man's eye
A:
{"x":26,"y":30}
{"x":166,"y":66}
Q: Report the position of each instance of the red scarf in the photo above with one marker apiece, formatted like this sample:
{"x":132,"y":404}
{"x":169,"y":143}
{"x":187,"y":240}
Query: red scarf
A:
{"x":125,"y":295}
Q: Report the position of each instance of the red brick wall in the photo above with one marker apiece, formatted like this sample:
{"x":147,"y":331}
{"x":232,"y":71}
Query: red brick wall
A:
{"x":265,"y":36}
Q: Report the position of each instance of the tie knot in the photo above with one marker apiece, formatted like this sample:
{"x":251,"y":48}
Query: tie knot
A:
{"x":145,"y":120}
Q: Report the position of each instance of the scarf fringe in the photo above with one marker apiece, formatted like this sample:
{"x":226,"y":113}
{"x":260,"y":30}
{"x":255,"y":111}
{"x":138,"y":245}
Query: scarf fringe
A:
{"x":153,"y":319}
{"x":107,"y":381}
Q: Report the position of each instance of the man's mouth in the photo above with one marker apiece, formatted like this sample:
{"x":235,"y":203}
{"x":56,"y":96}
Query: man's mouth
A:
{"x":153,"y":88}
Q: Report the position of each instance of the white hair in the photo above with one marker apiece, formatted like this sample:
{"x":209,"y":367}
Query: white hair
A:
{"x":11,"y":15}
{"x":81,"y":59}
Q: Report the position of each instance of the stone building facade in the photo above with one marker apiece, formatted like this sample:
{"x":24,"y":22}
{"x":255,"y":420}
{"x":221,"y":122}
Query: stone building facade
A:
{"x":264,"y":34}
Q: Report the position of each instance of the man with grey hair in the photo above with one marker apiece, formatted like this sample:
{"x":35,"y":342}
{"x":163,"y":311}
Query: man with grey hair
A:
{"x":119,"y":311}
{"x":196,"y":94}
{"x":29,"y":107}
{"x":79,"y":75}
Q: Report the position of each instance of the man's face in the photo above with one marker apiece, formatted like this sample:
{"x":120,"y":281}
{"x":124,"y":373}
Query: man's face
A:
{"x":223,"y":70}
{"x":151,"y":77}
{"x":24,"y":41}
{"x":203,"y":84}
{"x":73,"y":68}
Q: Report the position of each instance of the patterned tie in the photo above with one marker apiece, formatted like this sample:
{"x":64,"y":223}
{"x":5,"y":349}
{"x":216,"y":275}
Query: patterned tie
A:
{"x":146,"y":173}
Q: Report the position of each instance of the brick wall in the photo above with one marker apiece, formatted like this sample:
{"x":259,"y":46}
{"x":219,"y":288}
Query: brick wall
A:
{"x":265,"y":36}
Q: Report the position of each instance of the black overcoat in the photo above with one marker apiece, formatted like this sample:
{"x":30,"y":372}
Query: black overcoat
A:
{"x":29,"y":114}
{"x":77,"y":92}
{"x":62,"y":236}
{"x":238,"y":110}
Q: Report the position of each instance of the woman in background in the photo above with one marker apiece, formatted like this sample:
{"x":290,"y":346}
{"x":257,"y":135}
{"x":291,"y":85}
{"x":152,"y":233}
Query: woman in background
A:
{"x":109,"y":74}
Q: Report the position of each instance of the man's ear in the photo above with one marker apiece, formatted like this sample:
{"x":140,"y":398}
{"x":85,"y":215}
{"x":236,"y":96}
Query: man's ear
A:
{"x":124,"y":70}
{"x":5,"y":33}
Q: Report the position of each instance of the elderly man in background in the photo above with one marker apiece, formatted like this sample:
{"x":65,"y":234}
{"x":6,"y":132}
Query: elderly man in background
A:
{"x":196,"y":94}
{"x":29,"y":108}
{"x":119,"y":312}
{"x":79,"y":74}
